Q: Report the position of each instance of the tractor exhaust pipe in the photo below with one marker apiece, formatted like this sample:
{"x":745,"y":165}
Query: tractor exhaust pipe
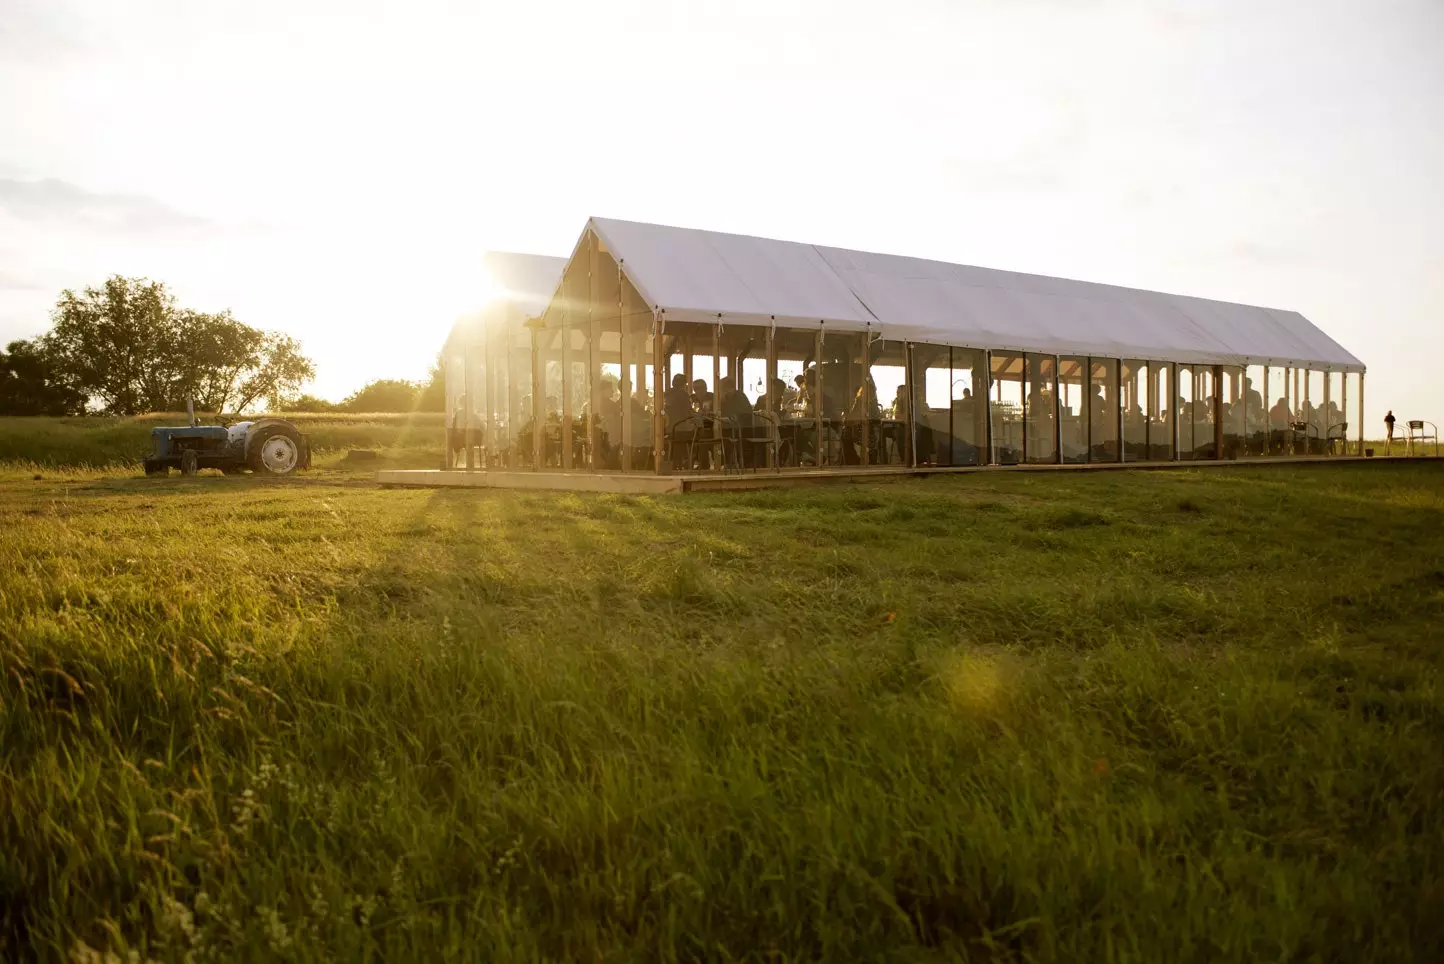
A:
{"x":191,"y":412}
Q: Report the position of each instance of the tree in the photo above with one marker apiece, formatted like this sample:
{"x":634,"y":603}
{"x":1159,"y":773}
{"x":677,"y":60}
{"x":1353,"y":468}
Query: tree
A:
{"x":281,"y":370}
{"x":308,"y":403}
{"x":384,"y":395}
{"x":30,"y":385}
{"x":130,"y":347}
{"x":432,"y":397}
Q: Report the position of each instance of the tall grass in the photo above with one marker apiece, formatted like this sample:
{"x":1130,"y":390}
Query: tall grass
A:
{"x":98,"y":441}
{"x":1155,"y":716}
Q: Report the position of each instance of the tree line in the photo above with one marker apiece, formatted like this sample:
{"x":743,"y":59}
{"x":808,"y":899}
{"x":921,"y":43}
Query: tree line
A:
{"x":127,"y":348}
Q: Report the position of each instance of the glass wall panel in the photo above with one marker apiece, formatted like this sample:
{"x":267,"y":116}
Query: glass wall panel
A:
{"x":1187,"y":385}
{"x":1103,"y":410}
{"x":1040,"y":407}
{"x":796,"y":351}
{"x":1073,"y":408}
{"x":470,"y":417}
{"x":1133,"y":385}
{"x":611,"y":405}
{"x":1255,"y":412}
{"x":1314,"y":413}
{"x":1353,"y":396}
{"x":743,"y":362}
{"x":1336,"y":420}
{"x":552,"y":342}
{"x":1280,"y":415}
{"x":1160,"y":411}
{"x":637,"y":377}
{"x":455,"y":369}
{"x":1203,"y":412}
{"x":690,"y":374}
{"x":577,"y":396}
{"x":1007,"y":408}
{"x":847,"y":398}
{"x":887,"y":366}
{"x":1231,"y":412}
{"x":968,"y":407}
{"x":930,"y":388}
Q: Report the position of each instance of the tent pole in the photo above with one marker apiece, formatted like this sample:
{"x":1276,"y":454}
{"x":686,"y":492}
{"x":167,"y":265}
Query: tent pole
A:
{"x":1218,"y":412}
{"x":774,"y":403}
{"x":817,"y":400}
{"x":624,"y":384}
{"x":910,"y":393}
{"x":594,"y":360}
{"x":1177,"y":396}
{"x":1308,"y":410}
{"x":721,"y":466}
{"x":1023,"y":409}
{"x":866,"y":397}
{"x":659,"y":428}
{"x":538,"y":402}
{"x":1242,"y":403}
{"x":992,"y":457}
{"x":466,"y":419}
{"x":1267,"y":417}
{"x":1057,"y":411}
{"x":567,"y":401}
{"x":1328,"y":396}
{"x":1118,"y":408}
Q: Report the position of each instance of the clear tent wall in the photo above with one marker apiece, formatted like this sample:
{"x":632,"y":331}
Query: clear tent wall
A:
{"x":599,"y":382}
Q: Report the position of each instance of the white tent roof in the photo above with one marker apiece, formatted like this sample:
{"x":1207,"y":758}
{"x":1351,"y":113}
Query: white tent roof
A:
{"x":691,"y":275}
{"x":524,"y":285}
{"x":527,"y":280}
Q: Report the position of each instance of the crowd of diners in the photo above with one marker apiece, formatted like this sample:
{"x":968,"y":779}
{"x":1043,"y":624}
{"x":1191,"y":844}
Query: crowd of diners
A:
{"x":791,"y":422}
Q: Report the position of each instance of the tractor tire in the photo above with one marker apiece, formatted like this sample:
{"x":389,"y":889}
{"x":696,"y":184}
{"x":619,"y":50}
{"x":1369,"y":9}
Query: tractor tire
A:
{"x":275,"y":449}
{"x":190,"y":462}
{"x":155,"y":468}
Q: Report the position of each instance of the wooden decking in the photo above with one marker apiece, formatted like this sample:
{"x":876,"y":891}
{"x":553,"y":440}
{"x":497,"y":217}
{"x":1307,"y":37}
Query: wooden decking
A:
{"x":642,"y":484}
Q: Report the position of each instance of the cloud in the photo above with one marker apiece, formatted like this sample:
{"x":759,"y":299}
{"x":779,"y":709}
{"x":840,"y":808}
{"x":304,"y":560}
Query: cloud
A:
{"x":38,"y":32}
{"x":11,"y":281}
{"x":60,"y":202}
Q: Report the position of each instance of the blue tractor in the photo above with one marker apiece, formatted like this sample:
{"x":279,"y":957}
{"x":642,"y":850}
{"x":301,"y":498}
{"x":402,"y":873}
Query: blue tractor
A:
{"x":267,"y":446}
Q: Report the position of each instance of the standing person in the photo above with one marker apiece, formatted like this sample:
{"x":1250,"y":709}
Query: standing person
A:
{"x":1388,"y":431}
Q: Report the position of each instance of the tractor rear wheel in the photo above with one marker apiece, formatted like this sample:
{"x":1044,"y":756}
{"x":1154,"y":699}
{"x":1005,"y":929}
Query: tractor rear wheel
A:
{"x":275,"y":450}
{"x":190,"y":462}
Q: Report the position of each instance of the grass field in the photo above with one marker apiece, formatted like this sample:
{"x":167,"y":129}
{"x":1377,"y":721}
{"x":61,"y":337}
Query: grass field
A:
{"x":1173,"y":716}
{"x":93,"y":441}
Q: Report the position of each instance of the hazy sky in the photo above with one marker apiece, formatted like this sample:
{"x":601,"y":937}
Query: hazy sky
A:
{"x":335,"y":170}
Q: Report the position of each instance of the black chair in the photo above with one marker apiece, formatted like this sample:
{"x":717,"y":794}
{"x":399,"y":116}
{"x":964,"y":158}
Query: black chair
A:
{"x":1337,"y":438}
{"x":704,"y":431}
{"x":756,"y":434}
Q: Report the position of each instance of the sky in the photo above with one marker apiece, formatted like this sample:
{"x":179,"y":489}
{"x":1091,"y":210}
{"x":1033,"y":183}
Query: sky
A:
{"x":335,"y":170}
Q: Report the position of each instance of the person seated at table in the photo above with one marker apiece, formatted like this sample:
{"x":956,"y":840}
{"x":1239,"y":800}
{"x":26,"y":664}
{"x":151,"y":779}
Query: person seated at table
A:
{"x":736,"y":405}
{"x":780,"y":397}
{"x":701,"y":397}
{"x":609,"y":424}
{"x":1280,"y":416}
{"x":900,"y":401}
{"x":677,"y":407}
{"x":807,"y":394}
